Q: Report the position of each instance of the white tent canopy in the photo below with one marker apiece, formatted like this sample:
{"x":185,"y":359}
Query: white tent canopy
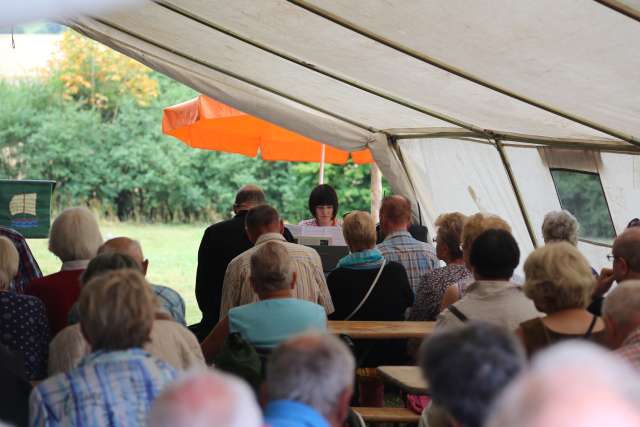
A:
{"x":454,"y":98}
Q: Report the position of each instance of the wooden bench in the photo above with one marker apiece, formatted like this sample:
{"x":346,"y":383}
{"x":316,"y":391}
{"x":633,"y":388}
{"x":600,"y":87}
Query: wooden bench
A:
{"x":387,"y":415}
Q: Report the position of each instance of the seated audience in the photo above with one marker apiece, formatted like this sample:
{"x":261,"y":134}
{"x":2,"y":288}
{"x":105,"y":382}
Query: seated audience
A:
{"x":115,"y":384}
{"x":205,"y":399}
{"x":24,"y":327}
{"x":560,"y":226}
{"x":264,"y":225}
{"x":323,"y":205}
{"x":573,"y":384}
{"x":560,"y":284}
{"x":492,"y":297}
{"x":474,"y":226}
{"x":466,"y":370}
{"x":365,"y":286}
{"x":277,"y":315}
{"x":170,"y":300}
{"x":625,"y":258}
{"x":398,"y":245}
{"x":435,"y":282}
{"x":15,"y":389}
{"x":74,"y":238}
{"x":309,"y":382}
{"x":28,"y":268}
{"x":169,"y":340}
{"x":622,"y":317}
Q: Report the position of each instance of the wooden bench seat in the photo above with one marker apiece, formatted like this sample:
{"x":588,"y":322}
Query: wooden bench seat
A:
{"x":387,"y":415}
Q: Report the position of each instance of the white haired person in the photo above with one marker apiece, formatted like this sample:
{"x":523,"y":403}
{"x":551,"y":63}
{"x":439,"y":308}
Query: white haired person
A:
{"x":200,"y":397}
{"x":277,"y":315}
{"x":622,"y":317}
{"x":115,"y":384}
{"x":560,"y":284}
{"x":560,"y":226}
{"x":309,"y":382}
{"x":573,"y":384}
{"x":24,"y":328}
{"x":74,"y":238}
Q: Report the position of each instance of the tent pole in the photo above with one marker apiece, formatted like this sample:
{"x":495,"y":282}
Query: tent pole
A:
{"x":420,"y":56}
{"x":322,"y":156}
{"x":516,"y":191}
{"x":376,"y":192}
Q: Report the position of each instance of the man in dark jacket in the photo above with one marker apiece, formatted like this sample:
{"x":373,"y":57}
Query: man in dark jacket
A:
{"x":221,"y":243}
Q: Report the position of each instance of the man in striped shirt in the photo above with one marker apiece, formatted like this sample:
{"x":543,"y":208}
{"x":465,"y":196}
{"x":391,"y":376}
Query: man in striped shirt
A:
{"x":398,"y":245}
{"x":116,"y":384}
{"x":263,"y":224}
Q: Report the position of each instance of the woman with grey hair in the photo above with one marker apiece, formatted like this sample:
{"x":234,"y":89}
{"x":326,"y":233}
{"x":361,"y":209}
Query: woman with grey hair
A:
{"x":74,"y":238}
{"x":24,"y":328}
{"x":277,"y":315}
{"x":560,"y":226}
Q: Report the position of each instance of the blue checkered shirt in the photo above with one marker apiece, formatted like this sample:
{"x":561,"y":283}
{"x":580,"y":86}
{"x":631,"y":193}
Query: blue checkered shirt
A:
{"x":417,"y":257}
{"x":171,"y":301}
{"x":113,"y":389}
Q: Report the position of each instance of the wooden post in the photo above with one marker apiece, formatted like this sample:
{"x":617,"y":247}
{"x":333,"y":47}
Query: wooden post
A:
{"x":376,"y":192}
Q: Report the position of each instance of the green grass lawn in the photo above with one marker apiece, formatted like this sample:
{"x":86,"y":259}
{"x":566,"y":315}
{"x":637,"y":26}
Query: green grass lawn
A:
{"x":172,"y":251}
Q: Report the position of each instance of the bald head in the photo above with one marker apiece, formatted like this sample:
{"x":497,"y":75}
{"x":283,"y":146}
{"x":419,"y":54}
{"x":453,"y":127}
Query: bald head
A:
{"x":395,"y":214}
{"x":248,"y":197}
{"x":125,"y":246}
{"x":626,"y":249}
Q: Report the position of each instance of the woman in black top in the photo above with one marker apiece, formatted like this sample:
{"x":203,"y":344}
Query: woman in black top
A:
{"x":356,"y":297}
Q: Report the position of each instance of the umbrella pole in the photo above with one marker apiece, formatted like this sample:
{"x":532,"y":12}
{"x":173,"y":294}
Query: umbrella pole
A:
{"x":322,"y":154}
{"x":376,"y":192}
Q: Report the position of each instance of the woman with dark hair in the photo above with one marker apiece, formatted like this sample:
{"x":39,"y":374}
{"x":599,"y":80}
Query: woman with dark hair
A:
{"x":323,"y":205}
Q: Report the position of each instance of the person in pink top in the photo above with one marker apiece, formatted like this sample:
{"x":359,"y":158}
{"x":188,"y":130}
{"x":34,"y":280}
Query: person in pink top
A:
{"x":323,"y":205}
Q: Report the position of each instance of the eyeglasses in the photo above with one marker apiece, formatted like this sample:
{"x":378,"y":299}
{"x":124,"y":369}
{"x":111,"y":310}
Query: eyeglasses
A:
{"x":612,"y":257}
{"x":635,"y":222}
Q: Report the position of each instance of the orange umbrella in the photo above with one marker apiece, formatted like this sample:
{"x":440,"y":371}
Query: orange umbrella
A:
{"x":211,"y":125}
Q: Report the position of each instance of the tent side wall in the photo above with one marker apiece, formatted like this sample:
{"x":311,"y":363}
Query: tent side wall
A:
{"x":468,"y":175}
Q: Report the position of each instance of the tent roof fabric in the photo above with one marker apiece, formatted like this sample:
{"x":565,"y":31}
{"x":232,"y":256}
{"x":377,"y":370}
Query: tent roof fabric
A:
{"x":339,"y":71}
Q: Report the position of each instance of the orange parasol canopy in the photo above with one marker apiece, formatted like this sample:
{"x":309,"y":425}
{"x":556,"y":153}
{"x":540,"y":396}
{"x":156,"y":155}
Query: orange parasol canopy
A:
{"x":205,"y":123}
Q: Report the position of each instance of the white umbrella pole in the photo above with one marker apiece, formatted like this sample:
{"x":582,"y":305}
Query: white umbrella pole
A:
{"x":322,"y":164}
{"x":376,"y":192}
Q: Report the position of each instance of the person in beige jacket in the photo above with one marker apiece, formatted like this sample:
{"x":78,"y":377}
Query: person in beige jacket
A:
{"x":170,"y":340}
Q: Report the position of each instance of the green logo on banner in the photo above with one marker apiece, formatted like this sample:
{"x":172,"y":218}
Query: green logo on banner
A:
{"x":25,"y":206}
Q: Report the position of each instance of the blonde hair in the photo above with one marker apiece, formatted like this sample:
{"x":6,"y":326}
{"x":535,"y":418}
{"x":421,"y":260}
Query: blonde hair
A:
{"x":558,"y":277}
{"x":450,"y":227}
{"x":9,"y":262}
{"x":560,"y":226}
{"x":117,"y":310}
{"x":477,"y":224}
{"x":359,"y":230}
{"x":75,"y":235}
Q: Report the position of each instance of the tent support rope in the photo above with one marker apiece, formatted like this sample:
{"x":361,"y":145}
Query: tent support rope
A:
{"x":516,"y":191}
{"x":459,"y":72}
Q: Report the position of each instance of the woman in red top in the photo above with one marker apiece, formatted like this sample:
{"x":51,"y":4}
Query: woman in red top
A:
{"x":75,"y":239}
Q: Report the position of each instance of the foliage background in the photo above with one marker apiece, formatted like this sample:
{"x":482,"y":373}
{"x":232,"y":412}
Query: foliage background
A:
{"x":92,"y":122}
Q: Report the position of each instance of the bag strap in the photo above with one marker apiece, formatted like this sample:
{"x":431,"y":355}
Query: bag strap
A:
{"x":460,"y":315}
{"x":373,"y":285}
{"x":587,"y":334}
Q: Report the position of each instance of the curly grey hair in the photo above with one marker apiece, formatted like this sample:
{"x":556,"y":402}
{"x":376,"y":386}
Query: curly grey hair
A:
{"x":560,"y":226}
